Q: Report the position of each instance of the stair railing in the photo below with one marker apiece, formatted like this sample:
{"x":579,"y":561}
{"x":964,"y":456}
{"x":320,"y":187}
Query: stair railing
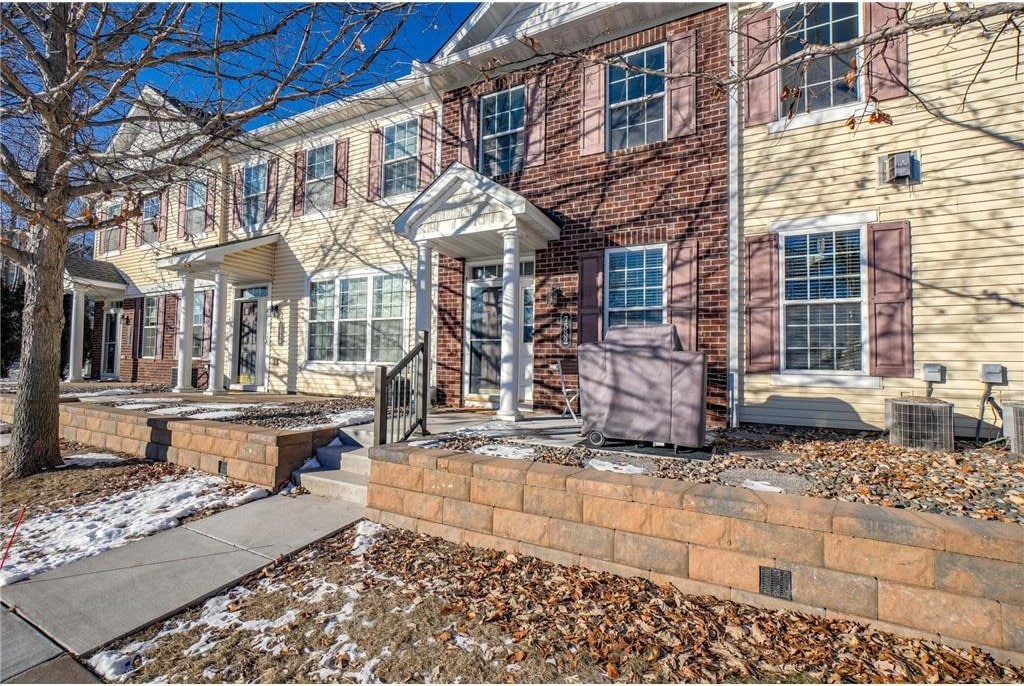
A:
{"x":401,"y":395}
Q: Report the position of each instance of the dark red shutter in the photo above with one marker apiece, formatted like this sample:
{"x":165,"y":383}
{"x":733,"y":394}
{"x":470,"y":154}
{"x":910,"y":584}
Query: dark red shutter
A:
{"x":888,"y":61}
{"x":890,"y":320}
{"x":207,"y":322}
{"x":761,"y":49}
{"x":136,"y":224}
{"x":427,"y":145}
{"x":135,"y":332}
{"x":373,"y":180}
{"x":211,"y":202}
{"x":161,"y":313}
{"x":762,"y":258}
{"x":592,"y":124}
{"x":237,"y":204}
{"x":272,"y":189}
{"x":469,"y":119}
{"x":299,"y":187}
{"x":341,"y":172}
{"x":182,"y":195}
{"x":591,"y":296}
{"x":682,"y":90}
{"x":122,"y":235}
{"x":161,"y":226}
{"x":535,"y":95}
{"x":682,"y":290}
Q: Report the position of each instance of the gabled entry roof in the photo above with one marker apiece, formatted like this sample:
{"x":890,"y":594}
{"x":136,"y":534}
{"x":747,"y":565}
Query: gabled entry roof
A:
{"x":462,"y":212}
{"x":97,"y":271}
{"x":226,"y":256}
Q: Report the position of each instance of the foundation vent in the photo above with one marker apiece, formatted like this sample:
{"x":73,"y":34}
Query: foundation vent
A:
{"x":778,"y":583}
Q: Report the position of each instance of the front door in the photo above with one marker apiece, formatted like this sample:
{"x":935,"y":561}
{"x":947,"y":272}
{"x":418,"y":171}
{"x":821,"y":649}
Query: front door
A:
{"x":111,"y":347}
{"x":250,"y":338}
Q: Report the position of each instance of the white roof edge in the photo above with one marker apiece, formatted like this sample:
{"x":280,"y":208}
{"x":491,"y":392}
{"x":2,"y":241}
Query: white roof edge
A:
{"x":215,"y":253}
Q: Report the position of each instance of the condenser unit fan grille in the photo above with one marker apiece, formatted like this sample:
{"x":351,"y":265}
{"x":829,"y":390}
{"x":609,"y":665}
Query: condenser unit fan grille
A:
{"x":923,"y":423}
{"x":1013,"y":426}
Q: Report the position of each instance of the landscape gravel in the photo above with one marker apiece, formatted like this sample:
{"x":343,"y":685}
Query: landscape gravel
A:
{"x":979,"y":482}
{"x":335,"y":411}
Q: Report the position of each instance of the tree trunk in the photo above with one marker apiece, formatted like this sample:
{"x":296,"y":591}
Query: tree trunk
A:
{"x":35,"y":437}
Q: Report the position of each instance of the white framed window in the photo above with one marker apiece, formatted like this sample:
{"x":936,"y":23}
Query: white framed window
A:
{"x":503,"y":131}
{"x":824,"y":301}
{"x":149,"y":324}
{"x":254,"y":195}
{"x":636,"y":99}
{"x":400,"y":169}
{"x":150,"y":219}
{"x":195,"y":207}
{"x":199,"y":331}
{"x":319,"y":192}
{"x":827,"y":81}
{"x":357,"y":319}
{"x":110,"y":238}
{"x":635,"y":286}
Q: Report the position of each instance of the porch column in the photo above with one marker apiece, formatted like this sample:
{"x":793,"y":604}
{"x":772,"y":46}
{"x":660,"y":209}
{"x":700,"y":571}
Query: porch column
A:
{"x":508,"y":407}
{"x":186,"y":308}
{"x":218,"y":339}
{"x":76,"y":340}
{"x":424,"y":286}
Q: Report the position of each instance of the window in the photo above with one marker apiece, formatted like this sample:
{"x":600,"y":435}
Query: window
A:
{"x":319,"y":195}
{"x":502,"y":123}
{"x":826,"y":81}
{"x":636,"y":286}
{"x":150,"y":219}
{"x":195,"y":207}
{"x":254,"y":194}
{"x":110,"y":238}
{"x":149,"y":317}
{"x":198,"y":324}
{"x":823,"y":301}
{"x":496,"y":270}
{"x":400,"y":163}
{"x":636,"y":99}
{"x":357,"y":319}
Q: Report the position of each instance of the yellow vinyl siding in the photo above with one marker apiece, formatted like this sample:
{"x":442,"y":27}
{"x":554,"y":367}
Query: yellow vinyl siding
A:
{"x":966,"y":216}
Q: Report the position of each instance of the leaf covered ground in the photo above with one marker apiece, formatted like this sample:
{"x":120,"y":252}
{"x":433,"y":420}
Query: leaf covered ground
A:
{"x":373,"y":603}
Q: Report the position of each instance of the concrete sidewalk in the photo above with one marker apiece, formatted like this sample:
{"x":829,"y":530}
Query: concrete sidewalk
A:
{"x":96,"y":600}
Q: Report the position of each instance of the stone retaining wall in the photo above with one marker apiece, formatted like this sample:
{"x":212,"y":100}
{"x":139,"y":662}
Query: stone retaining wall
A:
{"x":951,"y":579}
{"x":265,"y":457}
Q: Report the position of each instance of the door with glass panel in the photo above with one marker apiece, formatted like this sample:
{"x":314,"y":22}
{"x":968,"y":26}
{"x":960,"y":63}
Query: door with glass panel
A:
{"x":111,"y":341}
{"x":250,"y":340}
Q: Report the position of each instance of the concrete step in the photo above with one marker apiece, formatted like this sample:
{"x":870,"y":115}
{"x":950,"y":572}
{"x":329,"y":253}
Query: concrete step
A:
{"x":356,"y":462}
{"x":334,"y":483}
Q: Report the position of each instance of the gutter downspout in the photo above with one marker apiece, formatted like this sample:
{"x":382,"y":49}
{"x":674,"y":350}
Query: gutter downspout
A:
{"x":734,"y":378}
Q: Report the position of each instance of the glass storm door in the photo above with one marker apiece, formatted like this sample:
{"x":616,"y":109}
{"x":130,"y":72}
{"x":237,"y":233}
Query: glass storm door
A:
{"x":248,"y":343}
{"x":484,"y":338}
{"x":111,"y":343}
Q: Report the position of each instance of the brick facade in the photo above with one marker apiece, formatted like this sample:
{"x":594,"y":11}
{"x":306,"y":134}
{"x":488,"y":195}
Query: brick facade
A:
{"x":942,"y":578}
{"x":661,"y":192}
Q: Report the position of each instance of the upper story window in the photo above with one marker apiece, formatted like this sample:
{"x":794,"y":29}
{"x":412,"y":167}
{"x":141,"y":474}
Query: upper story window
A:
{"x":150,"y":218}
{"x":110,"y":238}
{"x":636,"y":99}
{"x":319,"y":194}
{"x":149,"y":324}
{"x":400,"y":162}
{"x":635,"y":293}
{"x":254,"y":194}
{"x":503,"y":127}
{"x":195,"y":207}
{"x":823,"y":301}
{"x":826,"y":81}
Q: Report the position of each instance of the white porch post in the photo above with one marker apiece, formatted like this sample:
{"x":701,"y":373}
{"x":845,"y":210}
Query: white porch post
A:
{"x":77,"y":334}
{"x":186,"y":308}
{"x":508,"y":408}
{"x":424,"y":286}
{"x":218,"y":338}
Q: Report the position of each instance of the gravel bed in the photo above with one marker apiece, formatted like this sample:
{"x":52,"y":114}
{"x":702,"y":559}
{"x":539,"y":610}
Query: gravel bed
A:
{"x":983,"y":483}
{"x":270,"y":414}
{"x":68,"y":390}
{"x":292,"y":415}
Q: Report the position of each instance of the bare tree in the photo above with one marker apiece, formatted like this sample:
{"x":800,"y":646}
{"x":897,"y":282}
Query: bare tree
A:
{"x":75,"y":74}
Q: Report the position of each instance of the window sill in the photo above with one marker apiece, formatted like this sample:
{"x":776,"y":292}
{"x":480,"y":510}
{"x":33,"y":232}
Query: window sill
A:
{"x":400,"y":199}
{"x":832,"y":114}
{"x":194,"y":237}
{"x":113,"y":253}
{"x":313,"y":215}
{"x":325,"y":366}
{"x":826,"y":380}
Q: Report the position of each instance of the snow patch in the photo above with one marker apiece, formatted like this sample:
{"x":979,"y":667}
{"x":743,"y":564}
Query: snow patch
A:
{"x":617,"y":467}
{"x":104,"y":392}
{"x":760,"y":486}
{"x":508,"y":451}
{"x":90,"y":459}
{"x":215,"y":414}
{"x":174,"y":409}
{"x":311,"y":463}
{"x":366,"y":536}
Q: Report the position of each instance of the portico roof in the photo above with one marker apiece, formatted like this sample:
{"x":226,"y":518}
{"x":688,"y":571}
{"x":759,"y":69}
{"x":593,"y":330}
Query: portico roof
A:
{"x":95,"y":277}
{"x":257,"y":263}
{"x":463,"y":212}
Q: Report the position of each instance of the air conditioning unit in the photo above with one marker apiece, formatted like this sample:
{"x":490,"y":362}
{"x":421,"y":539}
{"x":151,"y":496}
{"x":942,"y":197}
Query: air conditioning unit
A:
{"x":1013,"y":425}
{"x":915,"y":422}
{"x":899,"y":168}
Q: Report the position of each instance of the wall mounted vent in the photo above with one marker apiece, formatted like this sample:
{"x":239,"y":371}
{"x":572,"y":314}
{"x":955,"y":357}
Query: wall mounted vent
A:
{"x":778,"y":583}
{"x":899,"y":168}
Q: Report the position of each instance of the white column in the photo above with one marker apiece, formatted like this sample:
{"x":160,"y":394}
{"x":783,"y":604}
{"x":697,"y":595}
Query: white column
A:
{"x":186,"y":308}
{"x":508,"y":409}
{"x":424,"y":286}
{"x":218,"y":337}
{"x":76,"y":339}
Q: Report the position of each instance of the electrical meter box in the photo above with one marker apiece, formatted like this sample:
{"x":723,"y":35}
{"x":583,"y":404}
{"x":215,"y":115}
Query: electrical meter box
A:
{"x":933,"y":371}
{"x":993,"y":373}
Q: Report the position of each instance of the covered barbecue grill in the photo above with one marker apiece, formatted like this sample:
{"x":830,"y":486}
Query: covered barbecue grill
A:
{"x":639,"y":384}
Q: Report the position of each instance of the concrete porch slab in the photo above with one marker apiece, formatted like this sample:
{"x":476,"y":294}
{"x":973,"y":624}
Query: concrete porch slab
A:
{"x":23,"y":646}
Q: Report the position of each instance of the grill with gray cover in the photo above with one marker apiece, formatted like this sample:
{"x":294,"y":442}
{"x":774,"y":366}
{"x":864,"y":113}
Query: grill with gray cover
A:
{"x":640,"y":385}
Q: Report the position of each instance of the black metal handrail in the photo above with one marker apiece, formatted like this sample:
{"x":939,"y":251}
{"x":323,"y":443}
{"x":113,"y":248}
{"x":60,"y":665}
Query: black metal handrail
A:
{"x":401,"y":395}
